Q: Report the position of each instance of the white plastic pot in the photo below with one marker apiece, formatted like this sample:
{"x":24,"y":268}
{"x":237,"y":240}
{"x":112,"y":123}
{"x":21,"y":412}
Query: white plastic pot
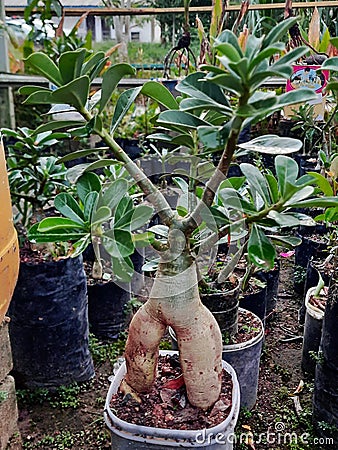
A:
{"x":127,"y":436}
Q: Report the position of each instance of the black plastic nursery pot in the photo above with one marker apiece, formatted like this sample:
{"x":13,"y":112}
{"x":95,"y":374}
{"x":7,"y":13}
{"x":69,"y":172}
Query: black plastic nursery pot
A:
{"x":224,"y":307}
{"x":255,"y":302}
{"x":271,"y":278}
{"x":107,"y":309}
{"x":312,"y":334}
{"x":125,"y":436}
{"x":312,"y":245}
{"x":325,"y":400}
{"x":49,"y":325}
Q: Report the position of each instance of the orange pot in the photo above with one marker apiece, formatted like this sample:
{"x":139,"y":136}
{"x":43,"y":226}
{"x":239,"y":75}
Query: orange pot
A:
{"x":9,"y":248}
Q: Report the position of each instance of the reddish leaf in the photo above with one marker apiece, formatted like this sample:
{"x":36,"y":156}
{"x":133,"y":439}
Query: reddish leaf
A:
{"x":176,"y":383}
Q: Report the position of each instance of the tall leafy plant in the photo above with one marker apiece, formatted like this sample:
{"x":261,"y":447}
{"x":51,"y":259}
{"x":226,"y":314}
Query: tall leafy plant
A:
{"x":204,"y":118}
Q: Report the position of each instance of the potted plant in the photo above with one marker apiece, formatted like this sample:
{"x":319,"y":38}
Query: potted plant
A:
{"x":174,"y":299}
{"x":100,"y":213}
{"x":49,"y":326}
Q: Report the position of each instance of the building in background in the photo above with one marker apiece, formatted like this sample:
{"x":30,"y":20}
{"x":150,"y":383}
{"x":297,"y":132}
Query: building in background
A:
{"x":142,"y":29}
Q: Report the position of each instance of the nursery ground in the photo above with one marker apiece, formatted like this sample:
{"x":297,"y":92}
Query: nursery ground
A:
{"x":72,"y":418}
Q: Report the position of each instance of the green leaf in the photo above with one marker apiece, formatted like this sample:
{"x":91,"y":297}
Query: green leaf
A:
{"x":231,"y":199}
{"x":113,"y":194}
{"x":260,"y":250}
{"x":160,"y":230}
{"x":77,"y":154}
{"x":123,"y":104}
{"x":290,"y":57}
{"x":89,"y":205}
{"x":257,"y":182}
{"x":279,"y":31}
{"x":143,"y":239}
{"x":180,"y":119}
{"x":74,"y":93}
{"x":87,"y":183}
{"x":331,"y":64}
{"x":45,"y":66}
{"x":58,"y":125}
{"x":81,"y":245}
{"x":273,"y":187}
{"x":124,"y":207}
{"x":70,"y":64}
{"x":319,"y":202}
{"x":75,"y":172}
{"x":265,"y":54}
{"x":39,"y":97}
{"x":123,"y":269}
{"x":92,"y":63}
{"x":56,"y":235}
{"x":229,"y":82}
{"x":287,"y":172}
{"x":141,"y":215}
{"x":301,"y":194}
{"x":283,"y":220}
{"x":118,"y":243}
{"x":69,"y":207}
{"x":100,"y":215}
{"x":211,"y":138}
{"x":58,"y":223}
{"x":160,"y":94}
{"x":229,"y":37}
{"x":302,"y":95}
{"x":28,"y":90}
{"x":290,"y":241}
{"x":332,"y":86}
{"x":198,"y":87}
{"x":110,"y":80}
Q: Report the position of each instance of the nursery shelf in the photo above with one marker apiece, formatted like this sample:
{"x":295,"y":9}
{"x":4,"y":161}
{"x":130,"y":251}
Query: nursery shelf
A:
{"x":15,"y":80}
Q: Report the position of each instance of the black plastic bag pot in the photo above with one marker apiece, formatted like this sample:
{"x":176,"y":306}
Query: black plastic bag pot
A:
{"x":325,"y":400}
{"x":49,"y":325}
{"x":107,"y":309}
{"x":255,"y":302}
{"x":224,"y":307}
{"x":310,"y":246}
{"x":271,"y":278}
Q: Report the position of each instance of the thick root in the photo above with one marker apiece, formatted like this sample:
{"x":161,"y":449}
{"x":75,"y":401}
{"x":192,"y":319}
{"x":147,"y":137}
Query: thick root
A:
{"x":142,"y":349}
{"x":200,"y":346}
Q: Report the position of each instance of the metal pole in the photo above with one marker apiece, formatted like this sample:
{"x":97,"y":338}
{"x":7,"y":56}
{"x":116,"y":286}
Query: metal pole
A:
{"x":7,"y":116}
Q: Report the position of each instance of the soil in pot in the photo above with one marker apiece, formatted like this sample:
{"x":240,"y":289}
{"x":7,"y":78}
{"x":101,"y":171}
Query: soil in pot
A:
{"x":312,"y":246}
{"x":167,"y":406}
{"x":254,"y":298}
{"x":168,"y":403}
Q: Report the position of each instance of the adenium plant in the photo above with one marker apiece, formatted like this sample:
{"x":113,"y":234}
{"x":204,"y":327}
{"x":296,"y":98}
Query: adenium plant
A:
{"x":203,"y":119}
